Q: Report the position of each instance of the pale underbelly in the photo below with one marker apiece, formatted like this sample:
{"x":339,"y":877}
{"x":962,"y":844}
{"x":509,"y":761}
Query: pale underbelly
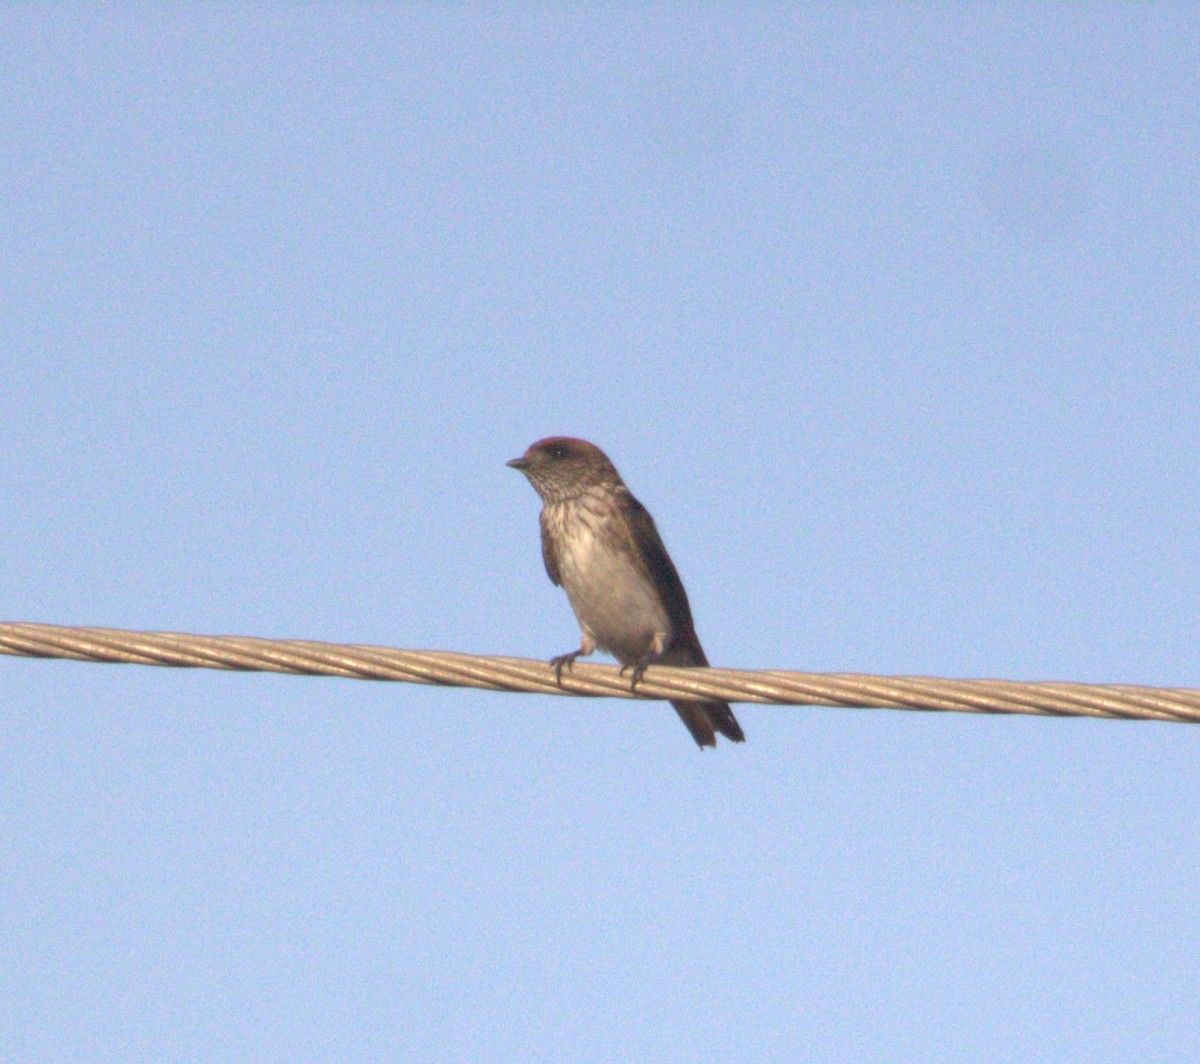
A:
{"x":617,"y":606}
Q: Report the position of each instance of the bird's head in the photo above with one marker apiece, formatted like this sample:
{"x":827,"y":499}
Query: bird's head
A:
{"x":560,"y":467}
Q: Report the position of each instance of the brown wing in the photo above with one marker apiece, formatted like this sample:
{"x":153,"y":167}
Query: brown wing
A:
{"x":648,"y":548}
{"x":548,"y":558}
{"x":701,"y":718}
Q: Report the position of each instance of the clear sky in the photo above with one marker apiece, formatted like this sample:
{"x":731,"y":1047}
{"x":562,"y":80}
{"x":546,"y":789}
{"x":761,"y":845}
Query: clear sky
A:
{"x":890,"y":316}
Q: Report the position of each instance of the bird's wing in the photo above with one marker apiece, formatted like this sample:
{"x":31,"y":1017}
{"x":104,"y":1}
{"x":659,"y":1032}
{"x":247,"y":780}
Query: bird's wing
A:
{"x":551,"y":562}
{"x":648,"y":546}
{"x":701,"y":718}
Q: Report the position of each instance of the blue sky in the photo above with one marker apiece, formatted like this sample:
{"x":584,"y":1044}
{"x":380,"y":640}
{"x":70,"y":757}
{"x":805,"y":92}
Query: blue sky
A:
{"x":888,"y":313}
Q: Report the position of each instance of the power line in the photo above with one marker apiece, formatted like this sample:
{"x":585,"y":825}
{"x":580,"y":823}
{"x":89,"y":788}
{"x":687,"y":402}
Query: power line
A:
{"x":307,"y":658}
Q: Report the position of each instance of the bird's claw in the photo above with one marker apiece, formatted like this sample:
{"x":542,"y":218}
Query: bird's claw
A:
{"x":638,"y":670}
{"x":567,"y":660}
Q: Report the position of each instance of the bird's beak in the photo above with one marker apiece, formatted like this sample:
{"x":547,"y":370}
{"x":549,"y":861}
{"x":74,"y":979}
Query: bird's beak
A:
{"x":518,"y":463}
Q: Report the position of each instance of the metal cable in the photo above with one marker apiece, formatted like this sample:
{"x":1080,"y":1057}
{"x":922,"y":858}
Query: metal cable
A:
{"x":521,"y":674}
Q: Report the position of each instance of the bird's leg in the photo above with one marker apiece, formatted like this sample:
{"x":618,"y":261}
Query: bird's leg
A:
{"x":638,"y":667}
{"x":587,"y":646}
{"x":658,"y":647}
{"x":558,"y":662}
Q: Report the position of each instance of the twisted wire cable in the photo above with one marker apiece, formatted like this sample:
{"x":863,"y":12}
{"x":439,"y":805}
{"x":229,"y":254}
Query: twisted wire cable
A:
{"x":849,"y":690}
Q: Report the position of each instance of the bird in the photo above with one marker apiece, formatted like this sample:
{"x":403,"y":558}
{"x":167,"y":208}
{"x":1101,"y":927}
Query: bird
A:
{"x":602,"y":547}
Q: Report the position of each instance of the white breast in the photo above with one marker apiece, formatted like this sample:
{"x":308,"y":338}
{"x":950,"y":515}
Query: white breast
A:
{"x":614,"y":601}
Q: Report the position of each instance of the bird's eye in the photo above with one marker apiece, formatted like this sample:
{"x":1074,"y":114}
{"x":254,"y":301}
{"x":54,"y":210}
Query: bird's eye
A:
{"x":558,"y":451}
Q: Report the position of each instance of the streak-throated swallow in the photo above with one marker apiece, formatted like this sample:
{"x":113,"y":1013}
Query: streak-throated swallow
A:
{"x":600,"y":544}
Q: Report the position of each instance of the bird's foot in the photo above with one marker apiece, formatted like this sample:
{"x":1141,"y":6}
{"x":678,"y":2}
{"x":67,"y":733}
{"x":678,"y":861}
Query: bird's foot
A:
{"x":638,"y":668}
{"x":564,"y":660}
